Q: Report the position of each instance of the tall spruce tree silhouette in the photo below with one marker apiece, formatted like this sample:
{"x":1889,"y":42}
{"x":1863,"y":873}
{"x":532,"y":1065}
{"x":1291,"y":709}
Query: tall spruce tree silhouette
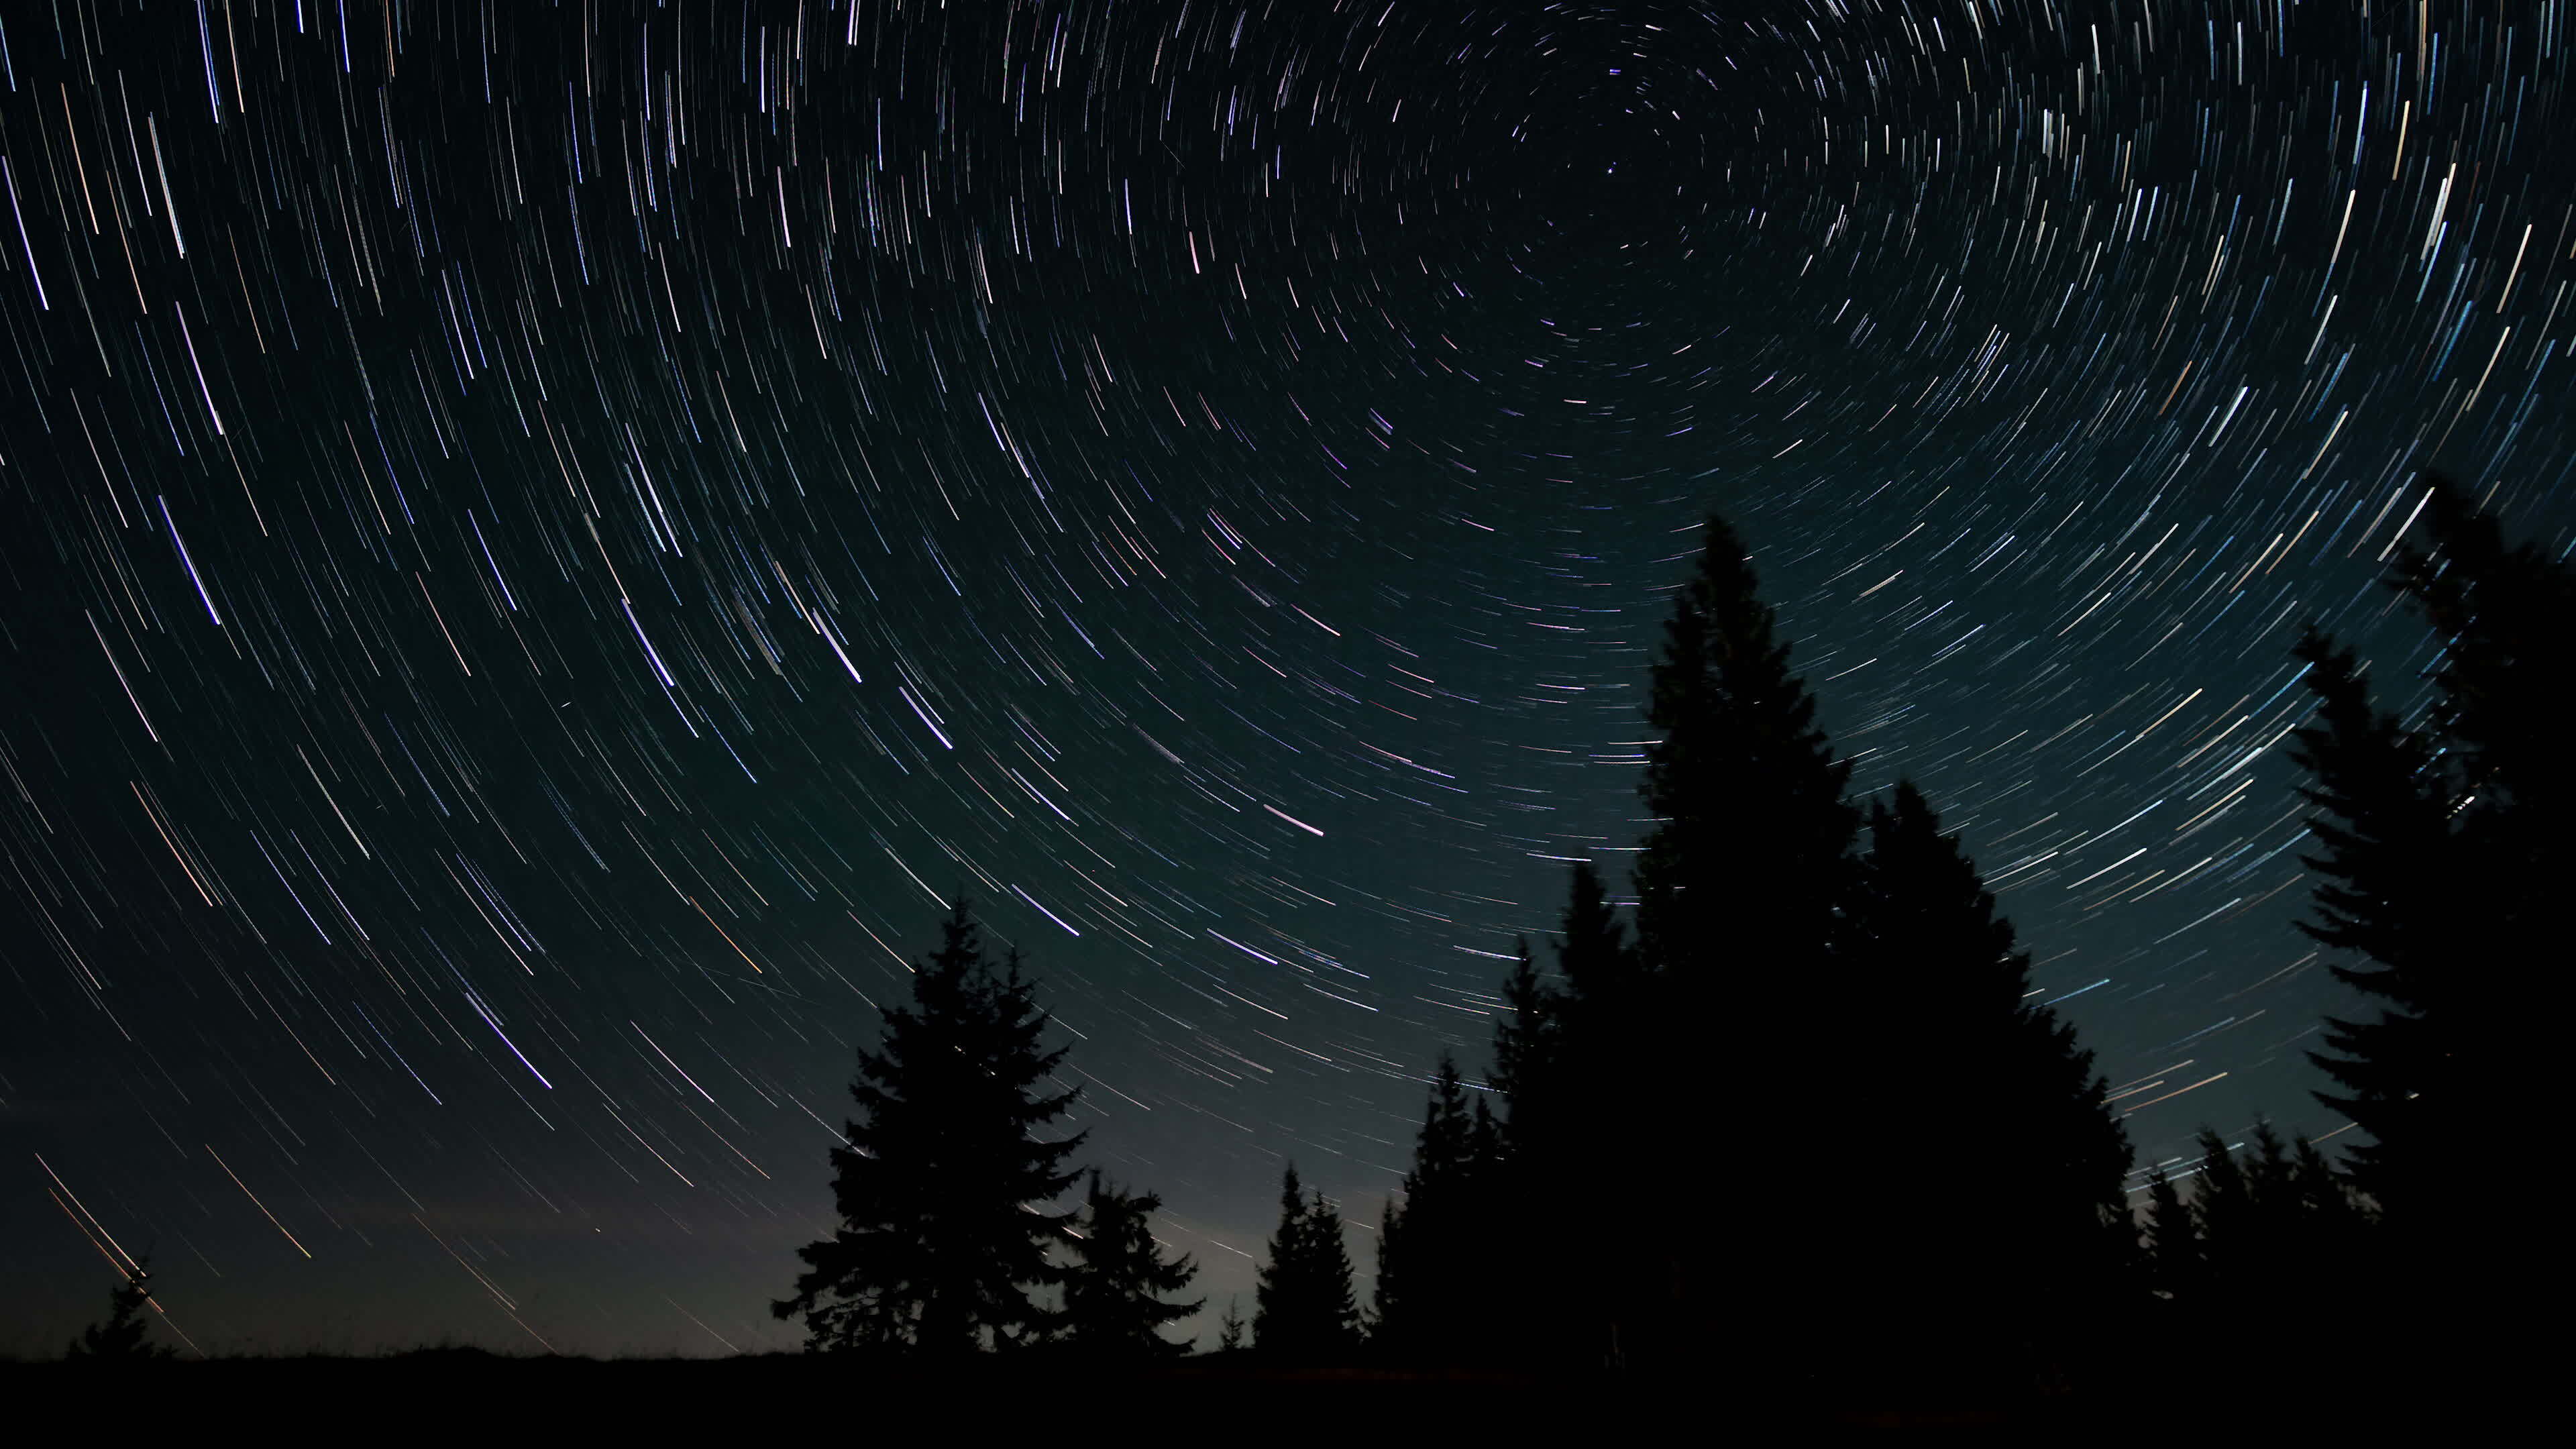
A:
{"x":1303,"y":1308}
{"x":1738,"y":883}
{"x":121,"y":1339}
{"x":1115,"y":1287}
{"x":2392,"y":888}
{"x":2444,"y":852}
{"x":1440,"y":1260}
{"x":938,"y":1248}
{"x":1983,"y":1284}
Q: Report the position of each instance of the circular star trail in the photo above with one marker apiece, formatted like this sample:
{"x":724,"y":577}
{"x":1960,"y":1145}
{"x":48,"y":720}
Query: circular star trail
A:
{"x":545,"y":542}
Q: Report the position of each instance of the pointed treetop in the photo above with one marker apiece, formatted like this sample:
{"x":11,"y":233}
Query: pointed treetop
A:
{"x":1593,"y":953}
{"x":1304,"y":1303}
{"x":1752,"y":830}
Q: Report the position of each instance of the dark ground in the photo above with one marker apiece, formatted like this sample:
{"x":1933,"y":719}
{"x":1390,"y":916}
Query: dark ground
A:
{"x":449,"y":1389}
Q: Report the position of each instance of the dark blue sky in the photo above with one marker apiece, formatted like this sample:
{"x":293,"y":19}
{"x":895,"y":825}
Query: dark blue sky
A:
{"x":542,"y":542}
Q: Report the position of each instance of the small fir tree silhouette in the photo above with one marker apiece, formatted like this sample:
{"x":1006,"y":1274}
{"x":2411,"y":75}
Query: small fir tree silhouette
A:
{"x":122,"y":1338}
{"x":1527,"y":1037}
{"x":938,"y":1248}
{"x":1390,"y":1297}
{"x":2337,"y":1213}
{"x":1229,"y":1329}
{"x":1114,"y":1289}
{"x":1303,"y":1308}
{"x":1593,"y":954}
{"x":2222,"y":1204}
{"x":2172,"y":1248}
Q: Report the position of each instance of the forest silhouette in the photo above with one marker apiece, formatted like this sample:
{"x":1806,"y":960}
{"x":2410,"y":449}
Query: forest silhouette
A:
{"x":1787,"y":1221}
{"x":1718,"y":1078}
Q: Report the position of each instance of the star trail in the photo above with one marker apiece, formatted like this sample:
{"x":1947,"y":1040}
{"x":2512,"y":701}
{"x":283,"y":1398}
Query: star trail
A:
{"x":545,"y":541}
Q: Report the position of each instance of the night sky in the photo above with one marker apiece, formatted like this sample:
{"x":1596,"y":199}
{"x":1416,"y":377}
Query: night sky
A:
{"x":541,"y":542}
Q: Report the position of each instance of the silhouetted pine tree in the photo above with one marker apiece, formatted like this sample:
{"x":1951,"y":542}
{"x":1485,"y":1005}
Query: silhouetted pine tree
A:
{"x":1229,"y":1329}
{"x":1738,"y":885}
{"x":2172,"y":1248}
{"x":1569,"y":1054}
{"x":1303,"y":1308}
{"x":1485,"y":1145}
{"x":1533,"y":1153}
{"x":2459,"y":917}
{"x":2389,"y":890}
{"x":121,"y":1339}
{"x":2337,"y":1213}
{"x":1936,"y":995}
{"x":2502,"y":612}
{"x":2235,"y":1210}
{"x":1526,"y":1046}
{"x":1738,"y":882}
{"x":937,"y":1250}
{"x":2506,"y":615}
{"x":1390,"y":1298}
{"x":1438,"y":1254}
{"x":1603,"y":1014}
{"x":1115,"y":1287}
{"x":1593,"y":956}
